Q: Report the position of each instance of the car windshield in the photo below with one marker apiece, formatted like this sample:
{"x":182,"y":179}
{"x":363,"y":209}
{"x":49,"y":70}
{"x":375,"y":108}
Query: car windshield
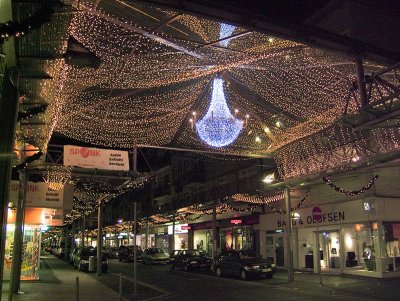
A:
{"x":156,"y":251}
{"x":132,"y":248}
{"x":192,"y":253}
{"x":88,"y":252}
{"x":246,"y":255}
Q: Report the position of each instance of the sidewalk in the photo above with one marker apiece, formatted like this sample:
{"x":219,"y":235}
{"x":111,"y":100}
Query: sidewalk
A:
{"x":355,"y":287}
{"x":58,"y":282}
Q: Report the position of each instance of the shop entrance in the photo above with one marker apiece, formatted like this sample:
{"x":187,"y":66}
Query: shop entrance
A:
{"x":329,"y":249}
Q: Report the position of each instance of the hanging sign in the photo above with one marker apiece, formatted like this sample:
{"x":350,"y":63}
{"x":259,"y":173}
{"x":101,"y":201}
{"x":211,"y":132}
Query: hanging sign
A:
{"x":236,"y":221}
{"x":38,"y":194}
{"x":89,"y":157}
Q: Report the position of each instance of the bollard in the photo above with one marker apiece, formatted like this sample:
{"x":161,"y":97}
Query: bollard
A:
{"x":120,"y":287}
{"x":77,"y":289}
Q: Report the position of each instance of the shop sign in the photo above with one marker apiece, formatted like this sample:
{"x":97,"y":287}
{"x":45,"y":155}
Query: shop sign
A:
{"x":186,"y":227}
{"x":160,"y":230}
{"x":317,"y":216}
{"x":178,"y":229}
{"x":38,"y":194}
{"x":236,"y":221}
{"x":89,"y":157}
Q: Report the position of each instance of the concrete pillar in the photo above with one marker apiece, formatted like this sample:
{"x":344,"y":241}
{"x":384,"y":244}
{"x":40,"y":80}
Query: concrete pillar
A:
{"x":288,"y":231}
{"x":99,"y":239}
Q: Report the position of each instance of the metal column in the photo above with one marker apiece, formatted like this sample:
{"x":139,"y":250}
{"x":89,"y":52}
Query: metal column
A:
{"x":173,"y":233}
{"x":8,"y":112}
{"x":83,"y":231}
{"x":99,"y":239}
{"x":134,"y":226}
{"x":289,"y":249}
{"x":362,"y":89}
{"x":135,"y":248}
{"x":147,"y":234}
{"x":214,"y":231}
{"x":18,"y":237}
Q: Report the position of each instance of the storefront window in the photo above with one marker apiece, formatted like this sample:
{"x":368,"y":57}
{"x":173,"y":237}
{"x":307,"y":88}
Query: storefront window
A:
{"x":359,"y":246}
{"x":30,"y":252}
{"x":237,"y":238}
{"x":203,"y":240}
{"x":391,"y":245}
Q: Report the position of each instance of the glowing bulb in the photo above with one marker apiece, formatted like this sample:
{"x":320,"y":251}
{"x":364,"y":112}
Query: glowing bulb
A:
{"x":258,"y":139}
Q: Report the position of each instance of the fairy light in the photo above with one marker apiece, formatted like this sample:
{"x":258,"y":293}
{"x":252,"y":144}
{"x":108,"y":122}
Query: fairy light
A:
{"x":56,"y":176}
{"x":144,"y":88}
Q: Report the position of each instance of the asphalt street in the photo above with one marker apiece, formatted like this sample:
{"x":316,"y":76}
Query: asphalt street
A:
{"x":159,"y":282}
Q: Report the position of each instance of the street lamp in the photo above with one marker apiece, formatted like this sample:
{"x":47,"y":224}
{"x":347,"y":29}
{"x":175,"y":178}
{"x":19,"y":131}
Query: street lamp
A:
{"x":269,"y":179}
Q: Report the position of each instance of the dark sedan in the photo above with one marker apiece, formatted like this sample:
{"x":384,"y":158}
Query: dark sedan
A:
{"x":82,"y":259}
{"x":242,"y":264}
{"x":189,"y":260}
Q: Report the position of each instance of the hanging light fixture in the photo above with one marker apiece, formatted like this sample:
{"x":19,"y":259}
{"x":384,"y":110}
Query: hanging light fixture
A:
{"x":219,"y":127}
{"x":57,"y":176}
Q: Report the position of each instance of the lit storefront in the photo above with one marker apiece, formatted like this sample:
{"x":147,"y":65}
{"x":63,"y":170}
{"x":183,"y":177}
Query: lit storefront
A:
{"x":181,"y":236}
{"x":35,"y":219}
{"x":357,"y":237}
{"x":233,"y":234}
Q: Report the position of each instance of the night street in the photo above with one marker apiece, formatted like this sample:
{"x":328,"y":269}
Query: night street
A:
{"x":160,"y":283}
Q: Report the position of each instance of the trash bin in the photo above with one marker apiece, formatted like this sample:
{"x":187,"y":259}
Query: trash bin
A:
{"x":92,"y":264}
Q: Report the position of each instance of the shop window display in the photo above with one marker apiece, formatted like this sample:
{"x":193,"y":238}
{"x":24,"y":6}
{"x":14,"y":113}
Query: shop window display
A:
{"x":30,"y":252}
{"x":392,"y":245}
{"x":359,"y":244}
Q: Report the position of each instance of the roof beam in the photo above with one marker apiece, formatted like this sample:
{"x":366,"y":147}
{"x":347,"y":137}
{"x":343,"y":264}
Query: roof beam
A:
{"x":282,"y":28}
{"x":143,"y":32}
{"x":259,"y":100}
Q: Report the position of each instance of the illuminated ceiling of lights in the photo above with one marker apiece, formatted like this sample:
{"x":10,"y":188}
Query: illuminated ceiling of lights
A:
{"x":158,"y":67}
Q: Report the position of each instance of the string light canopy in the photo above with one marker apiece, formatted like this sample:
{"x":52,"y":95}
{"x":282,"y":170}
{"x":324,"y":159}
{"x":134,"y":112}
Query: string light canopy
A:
{"x":157,"y":65}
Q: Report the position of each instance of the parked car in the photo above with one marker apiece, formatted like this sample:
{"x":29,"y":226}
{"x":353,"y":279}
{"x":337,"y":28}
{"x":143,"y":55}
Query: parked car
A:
{"x":190,"y":260}
{"x":172,"y":255}
{"x":242,"y":264}
{"x":72,"y":255}
{"x":82,"y":259}
{"x":155,"y":255}
{"x":110,"y":252}
{"x":128,"y":252}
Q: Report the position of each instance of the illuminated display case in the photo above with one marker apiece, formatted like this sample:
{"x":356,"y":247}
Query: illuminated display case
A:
{"x":30,"y":252}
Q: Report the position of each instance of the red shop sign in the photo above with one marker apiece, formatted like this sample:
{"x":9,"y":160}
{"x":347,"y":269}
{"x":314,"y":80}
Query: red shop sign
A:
{"x":186,"y":227}
{"x":236,"y":221}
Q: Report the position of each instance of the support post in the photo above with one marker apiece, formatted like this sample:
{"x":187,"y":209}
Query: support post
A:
{"x":99,"y":239}
{"x":8,"y":113}
{"x":83,"y":231}
{"x":318,"y":259}
{"x":135,"y":248}
{"x":66,"y":239}
{"x":18,"y":237}
{"x":173,"y":233}
{"x":289,"y":250}
{"x":362,"y":89}
{"x":134,"y":227}
{"x":214,"y":231}
{"x":147,"y":234}
{"x":77,"y":289}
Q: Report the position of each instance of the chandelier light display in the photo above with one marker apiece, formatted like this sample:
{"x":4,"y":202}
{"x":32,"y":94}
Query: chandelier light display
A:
{"x":226,"y":30}
{"x":57,"y":176}
{"x":219,"y":127}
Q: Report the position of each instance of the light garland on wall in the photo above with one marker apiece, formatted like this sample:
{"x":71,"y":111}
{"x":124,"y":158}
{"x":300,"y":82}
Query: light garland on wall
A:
{"x":267,"y":201}
{"x":351,"y":192}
